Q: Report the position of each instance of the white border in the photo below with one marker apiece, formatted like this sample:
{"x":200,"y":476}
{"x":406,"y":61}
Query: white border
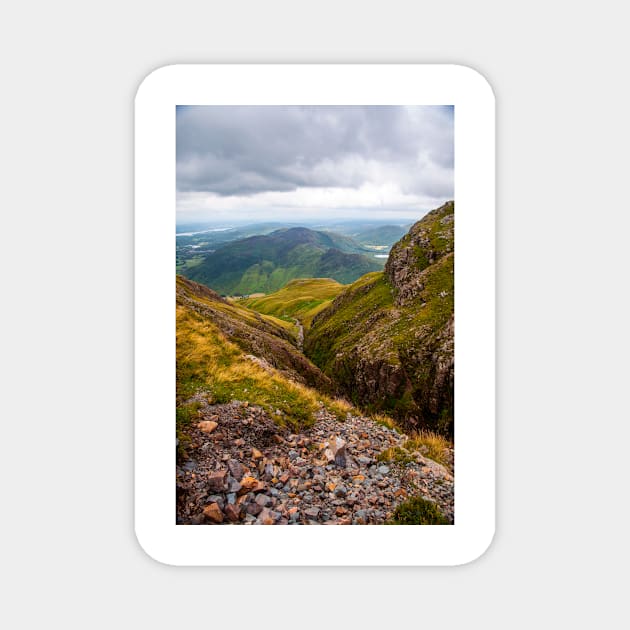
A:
{"x":155,"y":104}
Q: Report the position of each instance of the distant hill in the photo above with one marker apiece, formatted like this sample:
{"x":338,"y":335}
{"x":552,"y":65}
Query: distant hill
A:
{"x":264,"y":263}
{"x":300,"y":299}
{"x":381,"y":235}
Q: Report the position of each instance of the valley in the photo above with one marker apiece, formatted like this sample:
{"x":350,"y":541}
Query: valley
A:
{"x":315,"y":381}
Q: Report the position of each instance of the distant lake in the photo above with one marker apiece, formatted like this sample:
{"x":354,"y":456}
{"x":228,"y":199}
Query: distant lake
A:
{"x":204,"y":231}
{"x":381,"y":255}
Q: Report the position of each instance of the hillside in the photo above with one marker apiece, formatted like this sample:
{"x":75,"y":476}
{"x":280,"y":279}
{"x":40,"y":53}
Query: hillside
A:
{"x":260,"y":441}
{"x":213,"y":332}
{"x":265,"y":263}
{"x":381,"y":235}
{"x":299,"y":299}
{"x":387,"y":339}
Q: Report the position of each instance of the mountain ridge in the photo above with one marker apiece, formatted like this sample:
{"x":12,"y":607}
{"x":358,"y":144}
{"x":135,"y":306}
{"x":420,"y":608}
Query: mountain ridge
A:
{"x":265,"y":263}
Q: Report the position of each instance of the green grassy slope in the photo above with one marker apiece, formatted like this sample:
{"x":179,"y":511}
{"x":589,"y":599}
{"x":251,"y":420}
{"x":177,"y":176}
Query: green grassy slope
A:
{"x":299,"y":299}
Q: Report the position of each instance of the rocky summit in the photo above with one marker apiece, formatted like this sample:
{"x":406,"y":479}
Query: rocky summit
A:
{"x":249,"y":470}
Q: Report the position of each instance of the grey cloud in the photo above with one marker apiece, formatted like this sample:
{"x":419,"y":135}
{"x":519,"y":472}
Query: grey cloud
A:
{"x":245,"y":150}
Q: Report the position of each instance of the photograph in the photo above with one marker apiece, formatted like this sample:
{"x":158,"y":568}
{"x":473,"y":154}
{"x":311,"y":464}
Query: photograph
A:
{"x":315,"y":370}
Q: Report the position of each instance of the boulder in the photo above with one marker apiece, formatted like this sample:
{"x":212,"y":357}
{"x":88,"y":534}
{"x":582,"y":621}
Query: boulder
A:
{"x":213,"y":513}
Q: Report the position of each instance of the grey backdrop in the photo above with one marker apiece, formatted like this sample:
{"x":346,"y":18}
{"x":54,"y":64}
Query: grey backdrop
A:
{"x":69,"y":73}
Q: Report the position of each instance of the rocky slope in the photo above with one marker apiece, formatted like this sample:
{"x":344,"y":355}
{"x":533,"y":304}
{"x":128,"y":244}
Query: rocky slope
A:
{"x":388,"y":338}
{"x":243,"y":468}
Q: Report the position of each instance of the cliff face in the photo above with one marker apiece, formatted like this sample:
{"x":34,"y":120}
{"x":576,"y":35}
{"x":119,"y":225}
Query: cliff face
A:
{"x":388,"y":337}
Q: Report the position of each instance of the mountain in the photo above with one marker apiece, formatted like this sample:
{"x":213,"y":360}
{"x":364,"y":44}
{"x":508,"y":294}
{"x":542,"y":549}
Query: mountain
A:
{"x":299,"y":299}
{"x":260,"y":440}
{"x":387,"y":339}
{"x":381,"y":235}
{"x":265,"y":263}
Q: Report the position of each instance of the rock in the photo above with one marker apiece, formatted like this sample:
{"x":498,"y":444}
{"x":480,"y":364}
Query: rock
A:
{"x":248,"y":484}
{"x":268,"y":471}
{"x":264,"y":500}
{"x":213,"y":513}
{"x":266,"y":517}
{"x":336,"y":451}
{"x":233,"y":485}
{"x":216,"y":481}
{"x":253,"y":508}
{"x":383,"y":470}
{"x":256,"y":454}
{"x":207,"y":426}
{"x":232,"y":513}
{"x":312,"y":512}
{"x":236,"y":469}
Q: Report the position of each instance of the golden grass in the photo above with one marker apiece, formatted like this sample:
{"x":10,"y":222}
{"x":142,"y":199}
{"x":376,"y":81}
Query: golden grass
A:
{"x":430,"y":444}
{"x":386,"y":421}
{"x":206,"y":359}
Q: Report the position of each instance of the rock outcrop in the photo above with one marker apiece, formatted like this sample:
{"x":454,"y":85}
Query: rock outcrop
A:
{"x":388,"y":339}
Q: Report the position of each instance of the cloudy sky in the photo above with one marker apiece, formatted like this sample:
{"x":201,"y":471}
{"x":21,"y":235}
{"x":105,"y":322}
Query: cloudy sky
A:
{"x":309,"y":163}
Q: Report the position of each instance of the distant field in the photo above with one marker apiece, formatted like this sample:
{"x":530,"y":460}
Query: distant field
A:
{"x":299,"y":299}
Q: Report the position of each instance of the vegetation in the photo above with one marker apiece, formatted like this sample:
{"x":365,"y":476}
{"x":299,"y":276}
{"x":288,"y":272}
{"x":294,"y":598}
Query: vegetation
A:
{"x":300,"y":299}
{"x":265,"y":263}
{"x":382,"y":336}
{"x":396,"y":454}
{"x":431,"y":445}
{"x":208,"y":361}
{"x":428,"y":443}
{"x":418,"y":511}
{"x":381,"y":235}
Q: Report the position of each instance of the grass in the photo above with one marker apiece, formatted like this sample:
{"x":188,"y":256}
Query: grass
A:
{"x":397,"y":455}
{"x":365,"y":330}
{"x":385,"y":421}
{"x":184,"y":416}
{"x":418,"y":511}
{"x":430,"y":444}
{"x":299,"y":299}
{"x":236,"y":310}
{"x":207,"y":360}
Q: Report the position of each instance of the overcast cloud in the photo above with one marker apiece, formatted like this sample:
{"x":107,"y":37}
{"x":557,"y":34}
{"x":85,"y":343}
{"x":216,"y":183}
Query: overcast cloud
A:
{"x":307,"y":162}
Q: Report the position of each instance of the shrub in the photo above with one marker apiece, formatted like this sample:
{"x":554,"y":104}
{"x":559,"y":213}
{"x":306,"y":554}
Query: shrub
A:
{"x":418,"y":511}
